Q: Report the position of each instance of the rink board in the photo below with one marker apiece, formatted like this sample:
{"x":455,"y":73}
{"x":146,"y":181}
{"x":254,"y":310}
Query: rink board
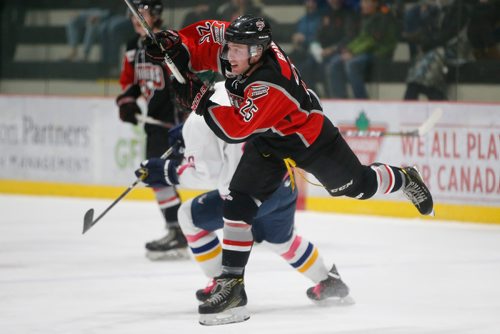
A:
{"x":75,"y":146}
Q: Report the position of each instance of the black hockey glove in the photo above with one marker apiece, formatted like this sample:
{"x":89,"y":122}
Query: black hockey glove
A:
{"x":169,"y":43}
{"x":194,"y":94}
{"x":157,"y":172}
{"x":128,"y":109}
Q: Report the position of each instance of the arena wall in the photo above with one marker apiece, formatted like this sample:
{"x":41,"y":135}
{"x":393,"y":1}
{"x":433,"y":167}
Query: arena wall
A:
{"x":76,"y":146}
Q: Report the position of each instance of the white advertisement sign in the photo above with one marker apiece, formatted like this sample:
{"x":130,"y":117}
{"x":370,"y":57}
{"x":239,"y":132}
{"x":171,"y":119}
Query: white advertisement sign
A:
{"x":82,"y":140}
{"x":63,"y":139}
{"x":459,"y":158}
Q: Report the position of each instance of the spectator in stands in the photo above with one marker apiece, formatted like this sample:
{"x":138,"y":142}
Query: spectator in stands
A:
{"x":198,"y":13}
{"x":234,"y":8}
{"x":110,"y":25}
{"x":439,"y":40}
{"x":12,"y":15}
{"x":339,"y":26}
{"x":115,"y":32}
{"x":484,"y":29}
{"x":377,"y":40}
{"x":230,"y":10}
{"x":85,"y":28}
{"x":354,"y":5}
{"x":309,"y":23}
{"x":427,"y":72}
{"x":303,"y":39}
{"x":420,"y":19}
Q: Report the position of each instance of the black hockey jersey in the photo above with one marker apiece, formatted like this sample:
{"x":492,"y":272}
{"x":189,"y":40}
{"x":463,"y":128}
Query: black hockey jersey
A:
{"x":140,"y":77}
{"x":272,"y":102}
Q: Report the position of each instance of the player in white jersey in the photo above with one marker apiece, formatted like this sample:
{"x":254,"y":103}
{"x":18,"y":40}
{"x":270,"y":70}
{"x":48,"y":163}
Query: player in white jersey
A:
{"x":209,"y":163}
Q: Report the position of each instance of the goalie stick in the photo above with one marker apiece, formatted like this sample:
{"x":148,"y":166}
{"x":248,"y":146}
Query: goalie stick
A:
{"x":149,"y":31}
{"x":422,"y":130}
{"x":88,"y":219}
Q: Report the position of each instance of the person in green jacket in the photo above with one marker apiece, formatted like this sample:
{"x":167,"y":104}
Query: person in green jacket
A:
{"x":377,"y":39}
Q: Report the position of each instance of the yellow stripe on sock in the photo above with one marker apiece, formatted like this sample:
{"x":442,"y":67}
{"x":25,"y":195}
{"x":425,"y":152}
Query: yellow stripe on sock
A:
{"x":209,"y":255}
{"x":310,"y":262}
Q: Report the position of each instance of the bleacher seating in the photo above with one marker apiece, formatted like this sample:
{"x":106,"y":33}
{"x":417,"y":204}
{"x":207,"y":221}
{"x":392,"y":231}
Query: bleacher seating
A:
{"x":40,"y":44}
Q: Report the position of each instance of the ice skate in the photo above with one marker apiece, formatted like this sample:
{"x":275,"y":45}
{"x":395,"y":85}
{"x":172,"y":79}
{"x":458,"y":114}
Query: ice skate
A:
{"x":203,"y":294}
{"x":173,"y":246}
{"x":417,"y":192}
{"x":330,"y":291}
{"x":227,"y":303}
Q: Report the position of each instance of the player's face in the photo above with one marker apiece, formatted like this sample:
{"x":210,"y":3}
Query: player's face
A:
{"x":241,"y":56}
{"x":238,"y":56}
{"x":150,"y":20}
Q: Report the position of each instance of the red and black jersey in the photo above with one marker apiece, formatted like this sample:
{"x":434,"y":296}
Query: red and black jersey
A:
{"x":140,"y":77}
{"x":272,"y":102}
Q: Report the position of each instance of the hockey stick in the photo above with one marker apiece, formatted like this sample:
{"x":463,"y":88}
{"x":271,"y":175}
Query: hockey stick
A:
{"x":154,"y":121}
{"x":422,"y":130}
{"x":88,"y":219}
{"x":149,"y":31}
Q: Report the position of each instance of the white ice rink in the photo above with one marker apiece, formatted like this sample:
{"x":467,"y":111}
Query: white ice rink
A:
{"x":407,"y":276}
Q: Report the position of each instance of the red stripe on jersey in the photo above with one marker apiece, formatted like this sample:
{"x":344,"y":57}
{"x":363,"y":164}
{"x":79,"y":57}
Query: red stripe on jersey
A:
{"x":127,"y":74}
{"x":274,"y":110}
{"x":203,"y":41}
{"x":284,"y":65}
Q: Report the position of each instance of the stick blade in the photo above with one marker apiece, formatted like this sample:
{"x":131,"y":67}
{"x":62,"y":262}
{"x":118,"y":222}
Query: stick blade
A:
{"x":430,"y":122}
{"x":88,"y":220}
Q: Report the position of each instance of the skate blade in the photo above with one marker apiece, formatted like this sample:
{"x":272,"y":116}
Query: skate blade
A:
{"x":171,"y":255}
{"x":231,"y":316}
{"x":335,"y":301}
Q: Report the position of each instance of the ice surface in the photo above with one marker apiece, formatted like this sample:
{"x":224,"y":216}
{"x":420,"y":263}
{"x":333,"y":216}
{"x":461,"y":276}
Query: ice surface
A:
{"x":407,"y":276}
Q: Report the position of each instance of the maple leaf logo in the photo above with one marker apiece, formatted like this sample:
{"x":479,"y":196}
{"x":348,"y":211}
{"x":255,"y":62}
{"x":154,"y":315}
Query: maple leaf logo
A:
{"x":363,"y":138}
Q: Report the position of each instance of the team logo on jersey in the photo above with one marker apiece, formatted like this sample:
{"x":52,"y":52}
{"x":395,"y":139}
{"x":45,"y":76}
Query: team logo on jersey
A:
{"x":150,"y":78}
{"x":260,"y":25}
{"x":258,"y":91}
{"x":364,"y":138}
{"x":211,"y":31}
{"x":235,"y":100}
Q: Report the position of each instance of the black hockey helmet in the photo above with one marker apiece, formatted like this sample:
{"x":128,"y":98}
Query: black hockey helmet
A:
{"x":249,"y":30}
{"x":155,"y":7}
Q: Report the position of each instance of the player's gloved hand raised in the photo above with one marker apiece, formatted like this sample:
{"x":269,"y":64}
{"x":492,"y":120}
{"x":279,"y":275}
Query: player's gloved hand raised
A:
{"x":128,"y":109}
{"x":194,"y":94}
{"x":157,"y":172}
{"x":169,"y":42}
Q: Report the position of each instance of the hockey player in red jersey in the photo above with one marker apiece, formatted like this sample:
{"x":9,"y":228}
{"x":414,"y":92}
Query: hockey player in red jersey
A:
{"x":140,"y":77}
{"x":282,"y":122}
{"x":209,"y":163}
